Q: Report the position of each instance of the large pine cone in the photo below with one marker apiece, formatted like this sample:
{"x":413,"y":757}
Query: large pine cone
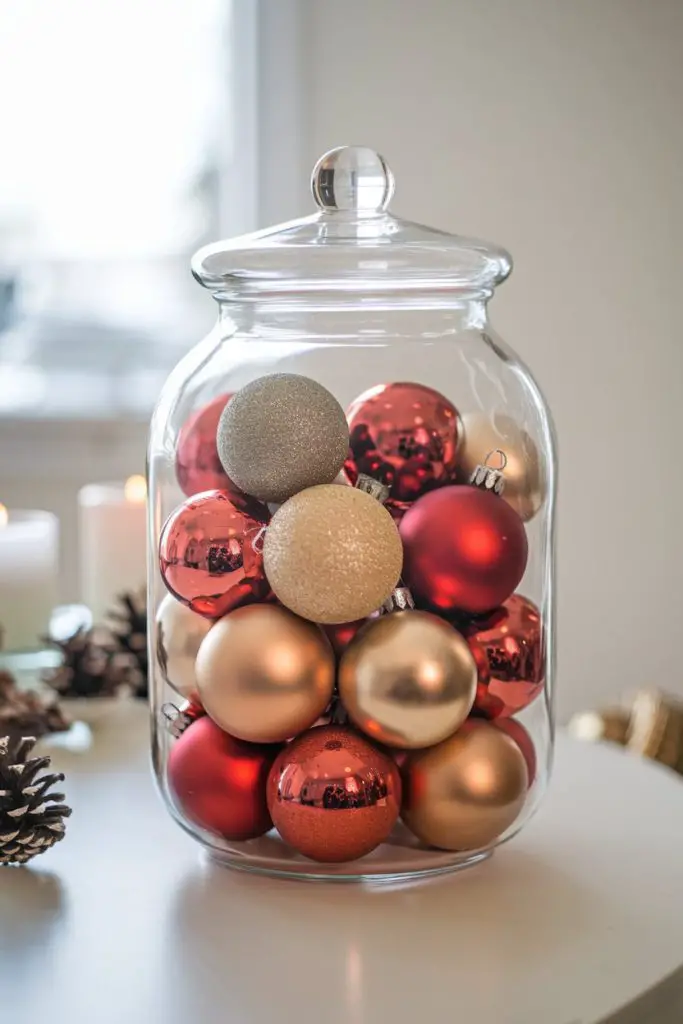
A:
{"x":31,"y":819}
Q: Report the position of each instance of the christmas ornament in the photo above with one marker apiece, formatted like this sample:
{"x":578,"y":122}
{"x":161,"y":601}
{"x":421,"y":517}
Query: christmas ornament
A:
{"x":332,"y":554}
{"x":129,"y":630}
{"x":508,"y":648}
{"x":332,"y":795}
{"x":465,"y":792}
{"x":408,"y":680}
{"x":341,"y":634}
{"x":198,"y":467}
{"x":280,"y":434}
{"x":180,"y":632}
{"x":481,"y":434}
{"x":219,"y":782}
{"x":263,"y":674}
{"x":516,"y":731}
{"x":31,"y":818}
{"x":465,"y":550}
{"x":89,"y":668}
{"x":27,"y":713}
{"x":176,"y":719}
{"x":209,"y":555}
{"x":407,"y":436}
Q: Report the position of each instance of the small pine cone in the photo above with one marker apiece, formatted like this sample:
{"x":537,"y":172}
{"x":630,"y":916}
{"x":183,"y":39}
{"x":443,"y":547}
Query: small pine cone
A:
{"x":31,"y":819}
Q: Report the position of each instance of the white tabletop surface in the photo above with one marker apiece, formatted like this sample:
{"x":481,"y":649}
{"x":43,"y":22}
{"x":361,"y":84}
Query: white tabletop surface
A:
{"x":578,"y":920}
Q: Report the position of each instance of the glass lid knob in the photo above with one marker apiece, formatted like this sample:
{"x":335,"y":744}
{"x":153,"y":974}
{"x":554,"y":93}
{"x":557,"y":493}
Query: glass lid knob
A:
{"x":352,"y":178}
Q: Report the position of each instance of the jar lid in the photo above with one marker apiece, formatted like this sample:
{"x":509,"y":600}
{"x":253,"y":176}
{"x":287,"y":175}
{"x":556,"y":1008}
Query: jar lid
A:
{"x":351,"y":244}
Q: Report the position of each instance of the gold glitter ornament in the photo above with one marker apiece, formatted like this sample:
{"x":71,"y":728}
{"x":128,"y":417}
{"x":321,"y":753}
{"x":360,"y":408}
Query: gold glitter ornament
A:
{"x":280,"y":434}
{"x":332,"y":554}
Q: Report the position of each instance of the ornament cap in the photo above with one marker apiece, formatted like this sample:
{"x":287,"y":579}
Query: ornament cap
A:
{"x":400,"y":600}
{"x":375,"y":488}
{"x":177,"y":719}
{"x":488,"y":477}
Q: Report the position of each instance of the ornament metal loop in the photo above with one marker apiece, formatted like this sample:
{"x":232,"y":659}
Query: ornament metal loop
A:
{"x":375,"y":488}
{"x":400,"y":600}
{"x":176,"y":719}
{"x":487,"y":477}
{"x":259,"y":540}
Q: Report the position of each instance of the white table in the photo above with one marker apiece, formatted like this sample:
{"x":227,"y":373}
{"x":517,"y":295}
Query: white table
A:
{"x":577,"y":921}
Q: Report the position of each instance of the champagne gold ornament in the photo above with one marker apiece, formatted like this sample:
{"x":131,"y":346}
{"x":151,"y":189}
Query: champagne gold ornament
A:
{"x":482,"y":434}
{"x":332,"y":554}
{"x":180,"y":632}
{"x":465,"y":792}
{"x":263,"y":674}
{"x":280,"y":434}
{"x":408,"y":680}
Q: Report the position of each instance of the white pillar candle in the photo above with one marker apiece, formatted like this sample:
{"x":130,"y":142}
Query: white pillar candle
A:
{"x":28,"y":577}
{"x":112,"y":542}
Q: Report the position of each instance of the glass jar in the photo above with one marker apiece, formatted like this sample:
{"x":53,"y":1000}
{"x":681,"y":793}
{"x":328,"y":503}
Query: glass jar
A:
{"x":351,"y":550}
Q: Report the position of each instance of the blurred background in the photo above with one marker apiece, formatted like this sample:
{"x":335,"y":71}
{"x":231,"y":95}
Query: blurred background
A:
{"x":133,"y":131}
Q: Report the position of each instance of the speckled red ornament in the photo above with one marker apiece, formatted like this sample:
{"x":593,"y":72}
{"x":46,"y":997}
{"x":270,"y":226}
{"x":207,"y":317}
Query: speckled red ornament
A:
{"x":219,"y":782}
{"x":465,"y":550}
{"x":405,"y":435}
{"x":209,"y":555}
{"x":332,"y":795}
{"x":508,"y":648}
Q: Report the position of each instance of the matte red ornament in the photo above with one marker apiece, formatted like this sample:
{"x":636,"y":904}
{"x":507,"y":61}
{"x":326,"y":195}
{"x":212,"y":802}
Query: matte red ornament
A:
{"x":516,"y":731}
{"x":209,"y":555}
{"x":465,"y":550}
{"x":332,"y":795}
{"x":509,"y":651}
{"x":405,"y":435}
{"x":219,"y":782}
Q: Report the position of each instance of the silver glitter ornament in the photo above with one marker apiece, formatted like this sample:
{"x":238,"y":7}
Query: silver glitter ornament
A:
{"x":280,"y":434}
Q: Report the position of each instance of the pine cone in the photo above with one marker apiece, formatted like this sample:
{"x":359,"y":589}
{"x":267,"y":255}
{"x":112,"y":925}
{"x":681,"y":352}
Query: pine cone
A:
{"x":129,"y":627}
{"x":31,"y":819}
{"x":27,"y":713}
{"x":89,"y":666}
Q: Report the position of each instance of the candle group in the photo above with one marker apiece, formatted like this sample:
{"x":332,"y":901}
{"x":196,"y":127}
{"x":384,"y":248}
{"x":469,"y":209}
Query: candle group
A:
{"x":112,"y":553}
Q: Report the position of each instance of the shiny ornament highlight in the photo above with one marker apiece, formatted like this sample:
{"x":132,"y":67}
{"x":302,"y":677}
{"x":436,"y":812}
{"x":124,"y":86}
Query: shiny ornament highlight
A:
{"x":509,"y":651}
{"x":465,"y":792}
{"x":219,"y":782}
{"x":524,"y":483}
{"x":408,"y":680}
{"x":332,"y":554}
{"x":209,"y":555}
{"x":465,"y":550}
{"x":179,"y":633}
{"x":280,"y":434}
{"x":265,"y":675}
{"x":332,"y":795}
{"x":407,"y":436}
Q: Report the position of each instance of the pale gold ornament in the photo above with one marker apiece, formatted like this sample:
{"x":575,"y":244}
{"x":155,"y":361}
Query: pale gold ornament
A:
{"x":408,"y":680}
{"x":179,"y":633}
{"x":332,"y":554}
{"x":263,"y":674}
{"x":523,"y":474}
{"x":465,"y":792}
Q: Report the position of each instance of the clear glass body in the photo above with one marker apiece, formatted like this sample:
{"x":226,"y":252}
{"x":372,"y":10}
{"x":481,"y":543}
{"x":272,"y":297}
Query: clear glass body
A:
{"x":350,"y":343}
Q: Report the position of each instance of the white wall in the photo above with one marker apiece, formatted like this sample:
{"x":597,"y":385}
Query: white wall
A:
{"x":553,"y":127}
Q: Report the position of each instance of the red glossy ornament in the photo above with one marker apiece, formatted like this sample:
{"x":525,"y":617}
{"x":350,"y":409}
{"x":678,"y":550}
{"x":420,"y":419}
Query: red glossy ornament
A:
{"x":198,"y":467}
{"x":517,"y":732}
{"x":208,"y":556}
{"x":219,"y":782}
{"x":405,"y":435}
{"x":341,"y":634}
{"x":509,"y":651}
{"x":332,"y":795}
{"x":465,"y":550}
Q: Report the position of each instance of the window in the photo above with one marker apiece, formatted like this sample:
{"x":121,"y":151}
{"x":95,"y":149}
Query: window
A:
{"x":118,"y":136}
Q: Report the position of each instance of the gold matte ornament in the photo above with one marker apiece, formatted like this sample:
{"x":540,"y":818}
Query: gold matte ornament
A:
{"x":408,"y":680}
{"x":263,"y":674}
{"x":332,"y":554}
{"x":481,"y":434}
{"x":465,"y":792}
